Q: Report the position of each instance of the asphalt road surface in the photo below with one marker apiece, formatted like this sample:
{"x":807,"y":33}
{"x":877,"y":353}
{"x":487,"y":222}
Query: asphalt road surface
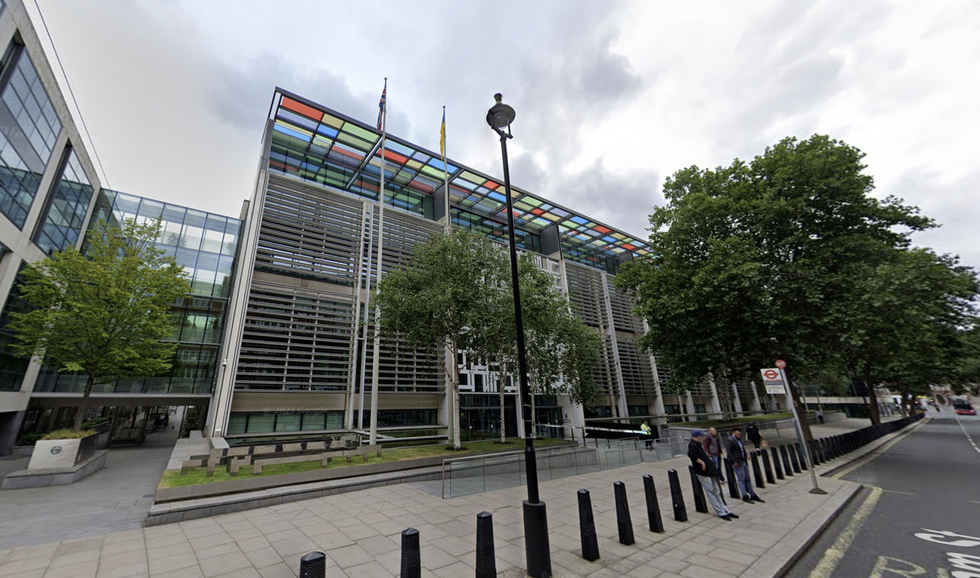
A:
{"x":919,"y":514}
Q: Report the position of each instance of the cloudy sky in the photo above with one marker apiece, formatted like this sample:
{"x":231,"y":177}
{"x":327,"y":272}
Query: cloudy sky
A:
{"x":611,"y":96}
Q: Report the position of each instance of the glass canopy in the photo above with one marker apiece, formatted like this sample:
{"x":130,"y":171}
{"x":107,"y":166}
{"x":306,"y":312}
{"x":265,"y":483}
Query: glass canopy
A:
{"x":318,"y":144}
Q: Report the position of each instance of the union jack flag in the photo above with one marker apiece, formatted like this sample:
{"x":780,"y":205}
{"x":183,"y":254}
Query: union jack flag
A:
{"x":381,"y":105}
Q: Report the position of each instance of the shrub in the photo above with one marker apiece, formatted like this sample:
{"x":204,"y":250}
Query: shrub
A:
{"x":95,"y":421}
{"x":67,"y":434}
{"x":29,"y":439}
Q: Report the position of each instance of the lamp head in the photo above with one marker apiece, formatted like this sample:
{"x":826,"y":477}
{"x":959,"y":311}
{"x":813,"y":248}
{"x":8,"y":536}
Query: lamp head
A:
{"x":500,"y":115}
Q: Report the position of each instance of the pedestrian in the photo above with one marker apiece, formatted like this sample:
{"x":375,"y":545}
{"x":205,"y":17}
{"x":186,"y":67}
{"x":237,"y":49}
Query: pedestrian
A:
{"x":707,"y":474}
{"x":712,"y":445}
{"x":755,"y":436}
{"x":648,"y":433}
{"x":738,"y":457}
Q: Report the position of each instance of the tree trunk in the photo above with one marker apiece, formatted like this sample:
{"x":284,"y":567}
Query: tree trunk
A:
{"x":454,"y":378}
{"x":83,"y":407}
{"x":534,"y":423}
{"x":873,"y":411}
{"x":800,"y":409}
{"x":503,"y":384}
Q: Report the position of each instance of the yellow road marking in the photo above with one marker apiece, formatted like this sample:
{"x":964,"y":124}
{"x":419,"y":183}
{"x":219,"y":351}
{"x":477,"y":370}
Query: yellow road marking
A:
{"x":867,"y":458}
{"x":832,"y":557}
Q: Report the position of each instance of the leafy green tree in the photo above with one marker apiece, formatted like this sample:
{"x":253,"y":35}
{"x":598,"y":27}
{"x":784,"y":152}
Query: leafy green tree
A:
{"x":904,"y":331}
{"x":758,"y":261}
{"x":435,"y":301}
{"x":563,"y":353}
{"x":105,"y":312}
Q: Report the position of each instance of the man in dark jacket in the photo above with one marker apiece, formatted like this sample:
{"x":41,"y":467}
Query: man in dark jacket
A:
{"x":712,"y":445}
{"x":755,"y":436}
{"x":739,"y":459}
{"x":707,"y":474}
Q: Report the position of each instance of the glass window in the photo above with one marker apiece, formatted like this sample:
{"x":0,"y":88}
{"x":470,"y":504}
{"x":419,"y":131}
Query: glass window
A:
{"x":29,"y":130}
{"x":261,"y":422}
{"x":288,"y":421}
{"x":62,"y":222}
{"x":237,"y":423}
{"x":214,"y":232}
{"x":193,"y":232}
{"x":314,"y":421}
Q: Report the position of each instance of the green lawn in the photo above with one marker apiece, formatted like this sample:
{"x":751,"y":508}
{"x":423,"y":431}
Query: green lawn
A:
{"x":174,"y":479}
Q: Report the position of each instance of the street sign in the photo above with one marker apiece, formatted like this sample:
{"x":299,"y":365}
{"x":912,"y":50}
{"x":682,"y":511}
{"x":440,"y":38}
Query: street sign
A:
{"x":780,"y":364}
{"x":772,"y":378}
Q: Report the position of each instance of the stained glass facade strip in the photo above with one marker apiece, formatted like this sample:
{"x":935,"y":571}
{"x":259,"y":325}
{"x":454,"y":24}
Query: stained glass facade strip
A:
{"x":315,"y":143}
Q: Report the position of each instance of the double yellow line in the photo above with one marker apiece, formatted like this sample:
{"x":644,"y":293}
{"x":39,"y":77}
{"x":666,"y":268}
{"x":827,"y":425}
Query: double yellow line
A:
{"x":832,"y":557}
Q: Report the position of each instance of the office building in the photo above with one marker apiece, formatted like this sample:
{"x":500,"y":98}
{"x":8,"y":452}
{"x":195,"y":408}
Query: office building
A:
{"x":296,"y":361}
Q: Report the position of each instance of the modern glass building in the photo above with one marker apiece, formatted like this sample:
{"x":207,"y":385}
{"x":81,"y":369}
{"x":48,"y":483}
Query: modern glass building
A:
{"x":297,"y":361}
{"x":47,"y":186}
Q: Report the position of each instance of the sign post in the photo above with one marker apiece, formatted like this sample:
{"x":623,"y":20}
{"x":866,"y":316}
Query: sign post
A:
{"x":805,"y":447}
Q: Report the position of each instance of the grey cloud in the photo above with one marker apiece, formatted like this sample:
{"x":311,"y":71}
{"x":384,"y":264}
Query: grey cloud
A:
{"x":951,"y":203}
{"x":241,"y":96}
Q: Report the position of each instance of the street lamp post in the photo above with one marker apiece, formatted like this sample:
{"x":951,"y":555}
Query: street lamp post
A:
{"x":536,"y":543}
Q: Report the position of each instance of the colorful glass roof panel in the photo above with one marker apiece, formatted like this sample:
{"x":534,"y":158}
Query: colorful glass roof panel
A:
{"x":318,"y":144}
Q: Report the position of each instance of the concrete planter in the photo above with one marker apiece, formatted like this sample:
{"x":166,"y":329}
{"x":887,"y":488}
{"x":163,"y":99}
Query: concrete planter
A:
{"x":60,"y":462}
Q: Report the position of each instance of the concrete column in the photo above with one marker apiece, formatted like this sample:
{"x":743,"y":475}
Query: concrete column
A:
{"x":689,"y":402}
{"x":756,"y":404}
{"x":611,"y":331}
{"x":715,"y":402}
{"x":736,"y":400}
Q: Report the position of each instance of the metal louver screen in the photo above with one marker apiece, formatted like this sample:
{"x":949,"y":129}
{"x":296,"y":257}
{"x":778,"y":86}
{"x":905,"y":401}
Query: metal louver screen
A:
{"x":295,"y":340}
{"x":307,"y":233}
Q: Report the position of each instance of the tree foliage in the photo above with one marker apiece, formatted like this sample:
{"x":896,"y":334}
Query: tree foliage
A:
{"x":105,"y":312}
{"x":907,"y":329}
{"x":758,"y":261}
{"x":455,"y":292}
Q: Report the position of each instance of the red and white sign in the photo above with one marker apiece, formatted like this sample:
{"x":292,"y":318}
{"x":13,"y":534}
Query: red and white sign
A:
{"x":780,"y":364}
{"x":772,"y":378}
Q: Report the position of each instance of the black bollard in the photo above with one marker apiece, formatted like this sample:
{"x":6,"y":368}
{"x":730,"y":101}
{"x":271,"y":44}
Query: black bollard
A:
{"x":815,"y":453}
{"x":787,"y":467}
{"x":677,"y":497}
{"x":776,"y":463}
{"x":802,"y":456}
{"x":732,"y":480}
{"x":653,"y":507}
{"x":486,"y":557}
{"x":793,"y":458}
{"x":586,"y":522}
{"x":767,"y":465}
{"x":623,"y":521}
{"x":411,"y":557}
{"x":313,"y":565}
{"x":757,"y":470}
{"x":700,"y":504}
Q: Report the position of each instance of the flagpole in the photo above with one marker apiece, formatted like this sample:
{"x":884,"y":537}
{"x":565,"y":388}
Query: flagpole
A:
{"x":373,"y":439}
{"x":445,"y":171}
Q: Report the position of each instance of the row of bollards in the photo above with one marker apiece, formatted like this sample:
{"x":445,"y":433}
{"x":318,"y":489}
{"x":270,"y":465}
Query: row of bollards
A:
{"x":768,"y":465}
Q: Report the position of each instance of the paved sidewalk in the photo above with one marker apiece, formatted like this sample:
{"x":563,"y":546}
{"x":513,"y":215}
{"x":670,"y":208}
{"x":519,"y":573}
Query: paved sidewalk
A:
{"x":359,"y":532}
{"x":115,"y":498}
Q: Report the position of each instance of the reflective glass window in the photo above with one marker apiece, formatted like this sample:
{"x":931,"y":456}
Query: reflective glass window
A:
{"x":29,"y":128}
{"x":62,"y":222}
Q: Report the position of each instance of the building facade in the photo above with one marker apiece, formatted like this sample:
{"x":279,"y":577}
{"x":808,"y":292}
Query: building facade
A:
{"x":298,"y":361}
{"x":47,"y":185}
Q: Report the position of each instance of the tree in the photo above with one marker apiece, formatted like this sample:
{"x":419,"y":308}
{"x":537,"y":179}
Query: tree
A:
{"x":563,"y":353}
{"x":104,"y":312}
{"x":435,"y":301}
{"x":757,"y":261}
{"x":904,"y":331}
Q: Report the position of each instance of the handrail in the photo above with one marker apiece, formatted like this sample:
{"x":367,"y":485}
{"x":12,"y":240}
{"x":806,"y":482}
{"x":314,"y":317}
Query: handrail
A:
{"x":510,"y":453}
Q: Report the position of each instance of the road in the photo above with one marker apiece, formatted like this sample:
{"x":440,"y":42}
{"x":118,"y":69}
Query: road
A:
{"x":927,"y":483}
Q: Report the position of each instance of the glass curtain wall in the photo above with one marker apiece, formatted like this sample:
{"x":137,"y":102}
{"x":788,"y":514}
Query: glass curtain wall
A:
{"x":205,"y":245}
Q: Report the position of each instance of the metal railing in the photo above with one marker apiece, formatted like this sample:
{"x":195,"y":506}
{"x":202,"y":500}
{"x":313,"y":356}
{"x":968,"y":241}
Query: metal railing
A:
{"x":476,"y":474}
